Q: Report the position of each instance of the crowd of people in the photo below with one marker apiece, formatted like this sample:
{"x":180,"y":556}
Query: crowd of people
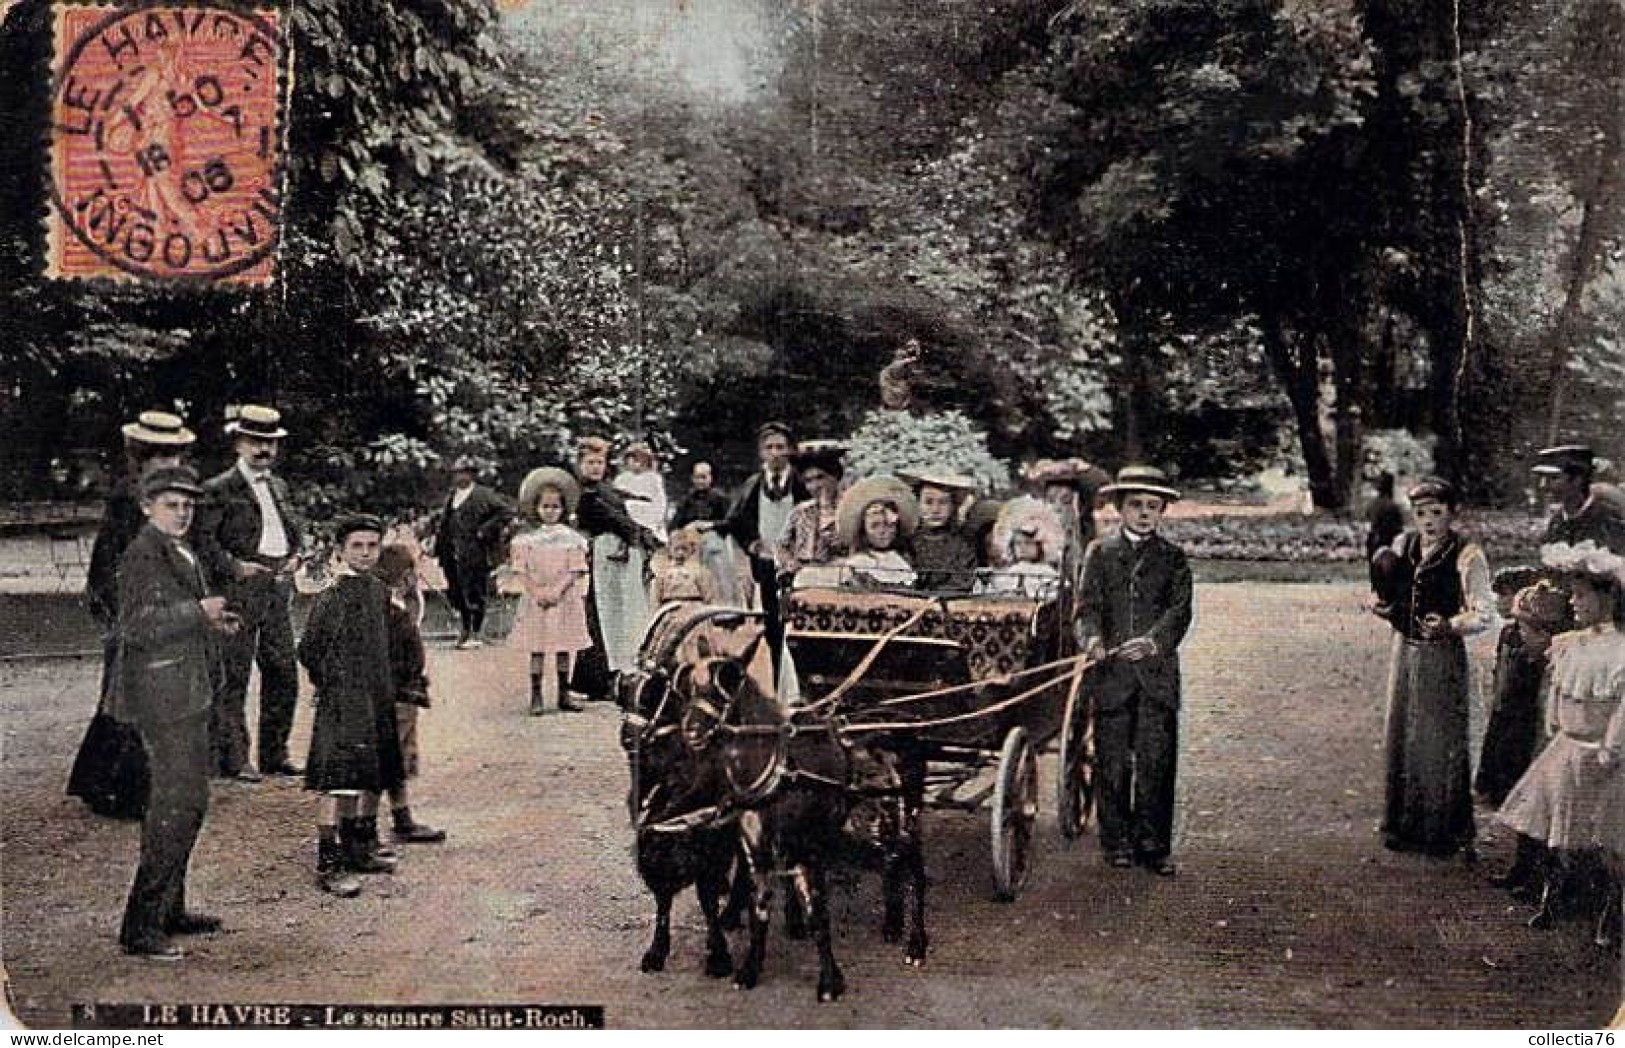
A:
{"x":1551,"y":747}
{"x":192,"y":582}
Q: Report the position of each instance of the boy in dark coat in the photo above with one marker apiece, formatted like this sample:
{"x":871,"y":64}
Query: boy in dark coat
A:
{"x":167,"y":630}
{"x":355,"y":753}
{"x":1134,"y":607}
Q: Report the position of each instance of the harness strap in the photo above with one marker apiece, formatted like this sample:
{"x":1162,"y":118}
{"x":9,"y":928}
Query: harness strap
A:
{"x":833,"y":699}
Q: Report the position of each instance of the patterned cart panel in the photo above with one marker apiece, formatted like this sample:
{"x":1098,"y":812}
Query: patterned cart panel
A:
{"x":997,"y":635}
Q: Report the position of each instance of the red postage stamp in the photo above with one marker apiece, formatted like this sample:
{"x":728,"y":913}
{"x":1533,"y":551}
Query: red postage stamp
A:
{"x":166,"y":142}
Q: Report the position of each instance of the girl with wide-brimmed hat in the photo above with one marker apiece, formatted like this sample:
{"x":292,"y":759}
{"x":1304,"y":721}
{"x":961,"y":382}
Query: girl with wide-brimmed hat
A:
{"x":550,"y":563}
{"x":1571,"y":798}
{"x":1438,"y":593}
{"x":875,"y":518}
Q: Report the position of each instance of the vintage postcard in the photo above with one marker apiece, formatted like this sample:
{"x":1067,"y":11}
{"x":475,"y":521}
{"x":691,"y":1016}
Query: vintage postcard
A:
{"x":674,"y":514}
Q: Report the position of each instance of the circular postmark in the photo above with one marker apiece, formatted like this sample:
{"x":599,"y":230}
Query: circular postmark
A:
{"x":166,"y":142}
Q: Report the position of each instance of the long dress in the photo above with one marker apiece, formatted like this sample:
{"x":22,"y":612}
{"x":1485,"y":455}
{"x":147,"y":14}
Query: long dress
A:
{"x":1429,"y":805}
{"x":618,"y":609}
{"x":551,"y":562}
{"x":110,"y":770}
{"x":1514,"y":724}
{"x":354,"y":742}
{"x":1566,"y":796}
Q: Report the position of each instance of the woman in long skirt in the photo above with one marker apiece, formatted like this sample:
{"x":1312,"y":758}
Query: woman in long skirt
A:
{"x":618,"y":609}
{"x":1439,"y":592}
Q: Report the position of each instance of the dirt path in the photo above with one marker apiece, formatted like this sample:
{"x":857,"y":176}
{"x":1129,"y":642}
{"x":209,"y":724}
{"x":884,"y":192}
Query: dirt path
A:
{"x":1286,"y":912}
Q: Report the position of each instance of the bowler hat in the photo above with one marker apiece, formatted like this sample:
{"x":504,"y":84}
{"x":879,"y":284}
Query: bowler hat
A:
{"x":1147,"y":479}
{"x":158,"y":427}
{"x":256,"y":420}
{"x":355,"y":522}
{"x":170,"y":478}
{"x":1565,"y":458}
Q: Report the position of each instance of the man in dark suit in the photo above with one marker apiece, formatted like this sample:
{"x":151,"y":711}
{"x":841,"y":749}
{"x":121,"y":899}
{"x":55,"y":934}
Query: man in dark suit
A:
{"x":471,"y":525}
{"x":248,"y":541}
{"x":760,"y":513}
{"x":1134,"y":607}
{"x":166,"y":627}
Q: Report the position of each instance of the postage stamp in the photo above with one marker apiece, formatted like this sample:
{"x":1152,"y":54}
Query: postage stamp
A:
{"x":165,"y":143}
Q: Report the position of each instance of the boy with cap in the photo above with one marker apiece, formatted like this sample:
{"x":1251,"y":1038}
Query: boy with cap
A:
{"x":1134,"y":608}
{"x":167,"y":627}
{"x":355,"y":751}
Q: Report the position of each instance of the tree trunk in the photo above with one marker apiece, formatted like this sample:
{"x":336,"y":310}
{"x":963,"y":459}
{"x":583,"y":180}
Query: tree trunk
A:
{"x":1589,"y":247}
{"x":1299,"y":373}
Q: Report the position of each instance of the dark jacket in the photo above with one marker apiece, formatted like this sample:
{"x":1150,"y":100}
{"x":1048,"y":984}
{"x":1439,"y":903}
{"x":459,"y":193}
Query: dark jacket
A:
{"x":406,"y":657}
{"x":346,"y":649}
{"x":1423,"y":587}
{"x":602,"y":511}
{"x":122,"y":521}
{"x":469,"y":534}
{"x":165,"y":645}
{"x":743,"y":524}
{"x":700,"y":505}
{"x":1595,"y":521}
{"x":1127,"y":594}
{"x":226,"y":530}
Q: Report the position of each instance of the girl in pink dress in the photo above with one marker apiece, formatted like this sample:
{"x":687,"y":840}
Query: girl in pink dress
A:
{"x":550,"y":563}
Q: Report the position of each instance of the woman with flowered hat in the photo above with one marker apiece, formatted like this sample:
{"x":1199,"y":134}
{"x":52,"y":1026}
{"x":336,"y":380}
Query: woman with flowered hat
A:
{"x":1031,"y":541}
{"x":1438,"y":593}
{"x":1570,"y":798}
{"x":110,"y":771}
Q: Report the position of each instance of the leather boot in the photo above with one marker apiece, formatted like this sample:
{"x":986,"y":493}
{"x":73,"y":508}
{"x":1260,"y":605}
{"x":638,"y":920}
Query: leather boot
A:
{"x":1553,"y":891}
{"x":568,"y":702}
{"x":409,"y":831}
{"x":358,"y":857}
{"x":1523,"y":878}
{"x":369,"y":832}
{"x":535,"y":694}
{"x":331,"y":875}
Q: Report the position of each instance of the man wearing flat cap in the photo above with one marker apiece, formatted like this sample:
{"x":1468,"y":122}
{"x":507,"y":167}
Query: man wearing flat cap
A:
{"x":470,"y":530}
{"x":1134,"y":608}
{"x":249,"y":540}
{"x":1566,"y":473}
{"x":760,"y":515}
{"x":167,"y":627}
{"x":110,"y":771}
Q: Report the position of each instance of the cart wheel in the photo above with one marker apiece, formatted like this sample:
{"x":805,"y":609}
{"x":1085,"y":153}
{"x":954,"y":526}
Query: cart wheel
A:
{"x":1074,"y":779}
{"x":1015,"y":809}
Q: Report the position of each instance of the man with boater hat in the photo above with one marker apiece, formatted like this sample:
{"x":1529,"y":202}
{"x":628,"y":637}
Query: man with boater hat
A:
{"x":249,"y":540}
{"x":167,"y":625}
{"x":1134,"y":607}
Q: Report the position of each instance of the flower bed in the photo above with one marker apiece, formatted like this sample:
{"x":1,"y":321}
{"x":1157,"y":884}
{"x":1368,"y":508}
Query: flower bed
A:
{"x":1507,"y":538}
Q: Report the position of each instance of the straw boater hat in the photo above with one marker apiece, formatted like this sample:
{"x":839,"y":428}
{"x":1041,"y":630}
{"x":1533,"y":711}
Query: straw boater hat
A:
{"x":530,"y":490}
{"x":1147,"y":479}
{"x":160,"y":428}
{"x":865,"y":493}
{"x":256,"y":420}
{"x":957,"y":484}
{"x":1565,"y":458}
{"x":170,"y":478}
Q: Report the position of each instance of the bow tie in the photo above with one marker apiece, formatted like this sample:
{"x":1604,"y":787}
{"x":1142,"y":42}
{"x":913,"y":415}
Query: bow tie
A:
{"x":775,"y":492}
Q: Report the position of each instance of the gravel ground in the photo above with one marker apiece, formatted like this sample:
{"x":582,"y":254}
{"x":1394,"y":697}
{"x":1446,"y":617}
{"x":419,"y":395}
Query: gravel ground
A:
{"x":1286,"y":912}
